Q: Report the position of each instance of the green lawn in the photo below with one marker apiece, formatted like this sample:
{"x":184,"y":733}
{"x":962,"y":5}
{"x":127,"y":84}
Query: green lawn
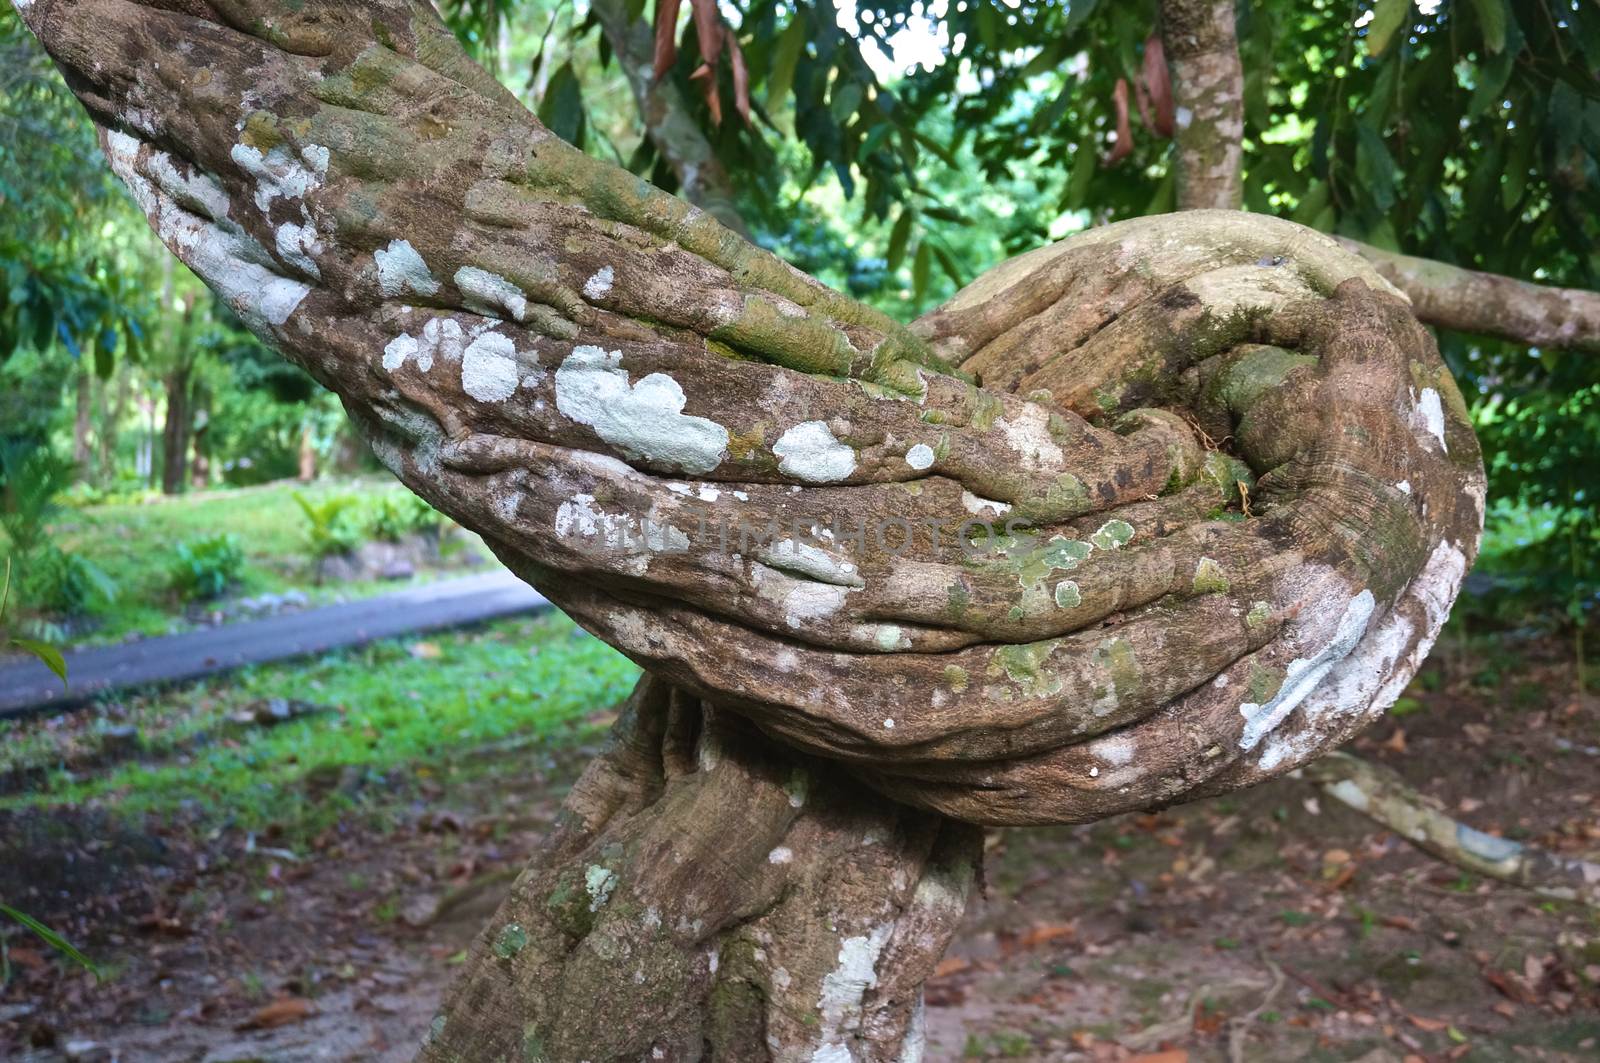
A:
{"x":398,"y":708}
{"x":134,"y":544}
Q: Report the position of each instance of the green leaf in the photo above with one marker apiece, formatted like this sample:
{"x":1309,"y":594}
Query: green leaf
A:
{"x":898,"y":237}
{"x":1387,"y":16}
{"x":921,"y":266}
{"x":948,"y":264}
{"x":51,"y":938}
{"x":784,"y":58}
{"x":1492,"y":17}
{"x":561,"y":110}
{"x":46,"y":653}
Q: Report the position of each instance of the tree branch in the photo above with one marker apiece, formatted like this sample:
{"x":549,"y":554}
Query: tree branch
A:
{"x":702,"y":179}
{"x":1202,"y":49}
{"x":1381,"y":795}
{"x":1487,"y":304}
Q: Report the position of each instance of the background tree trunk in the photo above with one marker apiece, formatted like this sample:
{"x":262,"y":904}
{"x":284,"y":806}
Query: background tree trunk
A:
{"x":175,"y":432}
{"x":707,"y":895}
{"x":82,"y":418}
{"x":1202,"y":49}
{"x":668,"y":122}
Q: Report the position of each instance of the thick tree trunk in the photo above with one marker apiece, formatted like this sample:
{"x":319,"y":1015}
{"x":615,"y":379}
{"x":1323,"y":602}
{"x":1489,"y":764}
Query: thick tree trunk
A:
{"x":707,"y":896}
{"x":668,"y":122}
{"x":1202,"y":49}
{"x":175,"y":432}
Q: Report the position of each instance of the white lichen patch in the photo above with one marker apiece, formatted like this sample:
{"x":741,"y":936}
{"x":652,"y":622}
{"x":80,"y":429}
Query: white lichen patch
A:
{"x":402,"y":271}
{"x":1068,"y":595}
{"x":491,"y":294}
{"x":279,"y":173}
{"x":1029,"y":436}
{"x":599,"y":284}
{"x":781,"y":855}
{"x":598,"y":882}
{"x":920,"y":457}
{"x":803,"y":601}
{"x":296,"y":244}
{"x":1302,"y":676}
{"x":983,"y":507}
{"x":489,"y":368}
{"x":804,"y":559}
{"x":644,"y":420}
{"x":399,"y":350}
{"x":1429,"y":416}
{"x":190,"y":214}
{"x":581,"y":518}
{"x":809,"y":452}
{"x":843,"y":990}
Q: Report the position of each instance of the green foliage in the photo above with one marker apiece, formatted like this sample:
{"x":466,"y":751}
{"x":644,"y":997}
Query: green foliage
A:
{"x":46,"y":653}
{"x":50,"y":938}
{"x":205,"y":568}
{"x":400,"y":713}
{"x":56,"y":583}
{"x":333,"y":523}
{"x":392,"y":517}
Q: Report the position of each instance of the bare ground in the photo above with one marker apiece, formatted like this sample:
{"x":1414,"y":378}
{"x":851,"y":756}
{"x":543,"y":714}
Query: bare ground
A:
{"x":1267,"y":926}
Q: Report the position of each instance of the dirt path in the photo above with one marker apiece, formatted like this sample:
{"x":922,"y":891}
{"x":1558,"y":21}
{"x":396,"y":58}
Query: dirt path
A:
{"x":1269,"y":926}
{"x":25,"y":684}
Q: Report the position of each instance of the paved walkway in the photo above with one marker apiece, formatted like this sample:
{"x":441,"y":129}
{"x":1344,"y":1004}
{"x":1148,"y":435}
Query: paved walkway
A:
{"x":28,"y":686}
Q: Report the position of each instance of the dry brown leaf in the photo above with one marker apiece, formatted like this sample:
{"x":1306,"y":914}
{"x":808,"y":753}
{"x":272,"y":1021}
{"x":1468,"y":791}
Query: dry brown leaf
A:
{"x":280,"y":1012}
{"x":666,"y":52}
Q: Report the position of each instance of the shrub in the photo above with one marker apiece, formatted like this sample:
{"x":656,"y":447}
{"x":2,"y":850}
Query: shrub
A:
{"x":331,"y":524}
{"x":395,"y":516}
{"x":56,"y":583}
{"x":205,"y":568}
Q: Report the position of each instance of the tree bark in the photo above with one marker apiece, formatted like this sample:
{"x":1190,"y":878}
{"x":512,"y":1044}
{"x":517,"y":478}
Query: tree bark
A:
{"x":597,"y":377}
{"x":668,"y":122}
{"x":1487,"y":304}
{"x":175,"y":432}
{"x":1380,"y":794}
{"x":708,"y":896}
{"x":1202,"y":46}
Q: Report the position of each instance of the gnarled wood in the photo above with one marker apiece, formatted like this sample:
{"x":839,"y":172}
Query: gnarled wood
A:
{"x":710,"y":896}
{"x":1191,"y":510}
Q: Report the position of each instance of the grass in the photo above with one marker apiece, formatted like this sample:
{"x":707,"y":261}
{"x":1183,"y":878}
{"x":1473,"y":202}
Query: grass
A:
{"x":398,"y":709}
{"x":134,"y":543}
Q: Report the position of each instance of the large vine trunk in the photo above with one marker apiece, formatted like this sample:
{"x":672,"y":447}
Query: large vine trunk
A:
{"x":1226,"y":488}
{"x":709,"y":896}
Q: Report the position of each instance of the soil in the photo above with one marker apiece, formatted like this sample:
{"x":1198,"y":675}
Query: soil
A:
{"x":1272,"y":925}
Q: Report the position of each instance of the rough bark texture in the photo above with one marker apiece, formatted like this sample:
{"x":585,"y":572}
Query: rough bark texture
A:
{"x":710,"y":895}
{"x":1233,"y":490}
{"x":1202,"y":49}
{"x":668,"y":121}
{"x":1377,"y":792}
{"x":1488,"y":304}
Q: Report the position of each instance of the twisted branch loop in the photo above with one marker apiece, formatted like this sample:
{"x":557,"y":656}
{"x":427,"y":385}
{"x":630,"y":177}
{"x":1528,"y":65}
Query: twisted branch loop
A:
{"x":1218,"y":489}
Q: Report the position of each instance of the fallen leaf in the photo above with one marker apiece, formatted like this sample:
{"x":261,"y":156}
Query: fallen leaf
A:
{"x":951,"y":965}
{"x":280,"y":1012}
{"x":1046,"y":932}
{"x":1426,"y":1024}
{"x":1175,"y":1055}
